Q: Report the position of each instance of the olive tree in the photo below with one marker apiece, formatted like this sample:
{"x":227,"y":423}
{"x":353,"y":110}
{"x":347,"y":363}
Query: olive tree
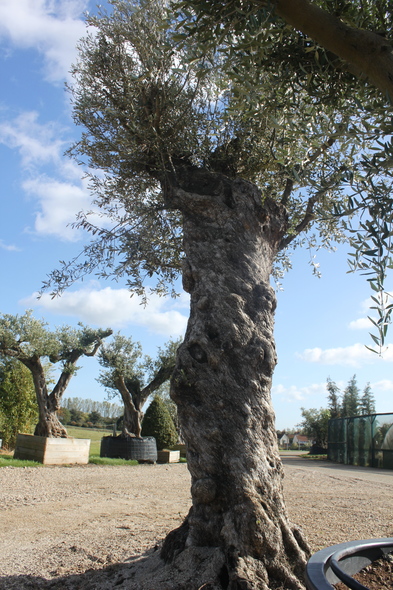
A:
{"x":125,"y":372}
{"x":213,"y":165}
{"x":29,"y":340}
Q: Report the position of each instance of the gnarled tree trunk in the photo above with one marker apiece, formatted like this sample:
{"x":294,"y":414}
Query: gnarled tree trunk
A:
{"x":132,"y":411}
{"x":222,"y":384}
{"x":48,"y":404}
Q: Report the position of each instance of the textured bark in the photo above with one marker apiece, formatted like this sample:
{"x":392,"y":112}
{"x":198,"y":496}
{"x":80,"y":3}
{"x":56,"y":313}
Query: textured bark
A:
{"x":369,"y":54}
{"x":48,"y":404}
{"x":132,"y":409}
{"x":222,"y":383}
{"x":134,"y":397}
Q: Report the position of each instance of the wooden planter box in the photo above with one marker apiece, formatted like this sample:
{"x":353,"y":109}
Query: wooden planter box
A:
{"x":52,"y":451}
{"x":168,"y":456}
{"x":180,"y":447}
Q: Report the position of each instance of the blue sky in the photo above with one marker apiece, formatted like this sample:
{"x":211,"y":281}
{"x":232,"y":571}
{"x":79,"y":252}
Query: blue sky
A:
{"x":320,"y":323}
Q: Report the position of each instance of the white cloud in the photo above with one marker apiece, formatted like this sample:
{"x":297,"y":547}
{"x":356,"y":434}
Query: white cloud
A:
{"x":298,"y":394}
{"x":9,"y":247}
{"x":383,"y":385}
{"x":59,"y":200}
{"x":114,"y":308}
{"x":37,"y":144}
{"x":352,"y":356}
{"x":59,"y":204}
{"x":51,"y":27}
{"x":361,"y":324}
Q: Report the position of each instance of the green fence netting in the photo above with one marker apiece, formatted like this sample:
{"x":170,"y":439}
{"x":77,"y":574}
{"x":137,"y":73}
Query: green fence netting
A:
{"x":362,"y":440}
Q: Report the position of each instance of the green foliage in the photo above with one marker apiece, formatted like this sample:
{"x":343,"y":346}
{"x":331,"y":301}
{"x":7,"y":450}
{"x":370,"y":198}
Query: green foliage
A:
{"x":164,"y":393}
{"x":269,"y":136}
{"x":262,"y":102}
{"x":64,"y":415}
{"x":315,"y":425}
{"x":28,"y":340}
{"x":367,"y":401}
{"x":157,"y":422}
{"x":334,"y":405}
{"x":18,"y":406}
{"x":95,"y":417}
{"x":249,"y":35}
{"x":350,"y":400}
{"x":77,"y":418}
{"x":24,"y":335}
{"x":121,"y":357}
{"x":134,"y":377}
{"x":315,"y":422}
{"x":108,"y":410}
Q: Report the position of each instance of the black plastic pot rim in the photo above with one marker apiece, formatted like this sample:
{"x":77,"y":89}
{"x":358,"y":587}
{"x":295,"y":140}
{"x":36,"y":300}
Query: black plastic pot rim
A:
{"x":319,"y":571}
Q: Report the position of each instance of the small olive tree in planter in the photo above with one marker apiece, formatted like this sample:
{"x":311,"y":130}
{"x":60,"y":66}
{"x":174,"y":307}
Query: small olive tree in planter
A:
{"x":29,"y":340}
{"x":125,"y":373}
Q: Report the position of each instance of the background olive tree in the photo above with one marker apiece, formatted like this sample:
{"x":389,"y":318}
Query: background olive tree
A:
{"x":28,"y":340}
{"x":134,"y":377}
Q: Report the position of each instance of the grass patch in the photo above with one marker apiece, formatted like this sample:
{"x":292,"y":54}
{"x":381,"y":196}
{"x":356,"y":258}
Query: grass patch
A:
{"x":97,"y":460}
{"x":94,"y":434}
{"x":9,"y":461}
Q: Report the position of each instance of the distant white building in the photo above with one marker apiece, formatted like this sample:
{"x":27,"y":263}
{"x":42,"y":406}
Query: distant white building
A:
{"x":284,"y":441}
{"x":301,"y":441}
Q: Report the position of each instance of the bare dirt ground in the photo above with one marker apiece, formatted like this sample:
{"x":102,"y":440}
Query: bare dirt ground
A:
{"x":91,"y":527}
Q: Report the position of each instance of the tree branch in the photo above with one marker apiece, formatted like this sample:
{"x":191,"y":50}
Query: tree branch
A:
{"x":308,"y":217}
{"x":163,"y":375}
{"x":287,"y":192}
{"x":368,"y":53}
{"x":125,"y":394}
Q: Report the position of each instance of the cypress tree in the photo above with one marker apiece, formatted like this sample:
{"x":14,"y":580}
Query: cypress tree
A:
{"x":157,"y":422}
{"x":367,"y":401}
{"x":350,"y":402}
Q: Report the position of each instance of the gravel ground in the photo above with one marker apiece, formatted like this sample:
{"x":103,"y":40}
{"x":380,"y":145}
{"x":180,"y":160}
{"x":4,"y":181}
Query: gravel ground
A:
{"x":87,"y":526}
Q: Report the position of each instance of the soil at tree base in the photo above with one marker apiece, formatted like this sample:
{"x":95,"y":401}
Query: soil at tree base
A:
{"x":93,"y":527}
{"x":376,"y":576}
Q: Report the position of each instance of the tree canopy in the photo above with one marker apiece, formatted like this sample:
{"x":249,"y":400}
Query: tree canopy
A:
{"x":340,"y":54}
{"x":262,"y":102}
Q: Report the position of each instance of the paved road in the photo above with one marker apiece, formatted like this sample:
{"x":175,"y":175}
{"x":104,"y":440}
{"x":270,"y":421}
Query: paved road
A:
{"x":329,"y":468}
